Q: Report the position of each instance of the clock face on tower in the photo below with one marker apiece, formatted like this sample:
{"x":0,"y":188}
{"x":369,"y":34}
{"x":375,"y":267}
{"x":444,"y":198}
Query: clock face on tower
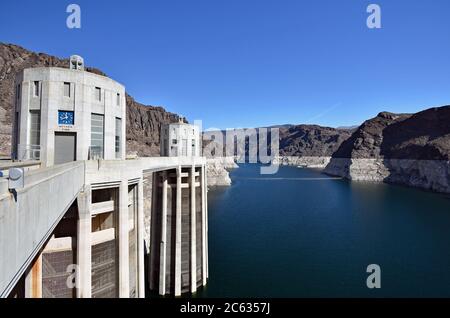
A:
{"x":65,"y":117}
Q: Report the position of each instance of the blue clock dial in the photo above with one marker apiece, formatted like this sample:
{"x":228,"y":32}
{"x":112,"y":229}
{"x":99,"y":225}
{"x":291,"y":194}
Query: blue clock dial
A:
{"x":65,"y":117}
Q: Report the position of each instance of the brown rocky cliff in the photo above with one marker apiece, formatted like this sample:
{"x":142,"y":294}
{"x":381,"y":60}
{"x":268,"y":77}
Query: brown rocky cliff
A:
{"x":366,"y":141}
{"x":143,"y":127}
{"x":311,"y":140}
{"x":424,"y":135}
{"x":143,"y":122}
{"x":407,"y":149}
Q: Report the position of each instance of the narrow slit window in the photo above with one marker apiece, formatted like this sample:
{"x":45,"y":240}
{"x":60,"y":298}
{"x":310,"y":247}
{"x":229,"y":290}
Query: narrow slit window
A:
{"x":98,"y":93}
{"x":66,"y":89}
{"x":36,"y":88}
{"x":118,"y":137}
{"x":35,"y":127}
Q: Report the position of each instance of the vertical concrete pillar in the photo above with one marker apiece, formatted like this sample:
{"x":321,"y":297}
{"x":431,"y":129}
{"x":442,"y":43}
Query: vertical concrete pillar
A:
{"x":204,"y":225}
{"x":206,"y":222}
{"x":48,"y":115}
{"x":23,"y":118}
{"x":178,"y":235}
{"x":33,"y":280}
{"x":140,"y":240}
{"x":193,"y":234}
{"x":84,"y":249}
{"x":162,"y":260}
{"x":154,"y":241}
{"x":124,"y":255}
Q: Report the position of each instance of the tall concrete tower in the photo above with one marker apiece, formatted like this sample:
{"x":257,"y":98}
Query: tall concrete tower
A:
{"x":179,"y":237}
{"x":84,"y":207}
{"x":180,"y":139}
{"x":68,"y":114}
{"x":179,"y":222}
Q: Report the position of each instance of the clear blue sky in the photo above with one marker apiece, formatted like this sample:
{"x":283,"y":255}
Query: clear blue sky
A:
{"x":247,"y":63}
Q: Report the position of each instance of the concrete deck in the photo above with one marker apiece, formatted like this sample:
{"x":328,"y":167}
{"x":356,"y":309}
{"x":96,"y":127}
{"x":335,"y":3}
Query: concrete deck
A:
{"x":28,"y":216}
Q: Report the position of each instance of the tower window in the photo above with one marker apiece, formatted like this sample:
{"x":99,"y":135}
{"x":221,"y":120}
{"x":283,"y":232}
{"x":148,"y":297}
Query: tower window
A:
{"x":117,"y":137}
{"x":66,"y":89}
{"x":98,"y":93}
{"x":36,"y":88}
{"x":97,"y":136}
{"x":35,"y":127}
{"x":118,"y":99}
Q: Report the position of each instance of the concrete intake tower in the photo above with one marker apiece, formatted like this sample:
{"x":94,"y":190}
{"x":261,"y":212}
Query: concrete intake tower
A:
{"x":80,"y":219}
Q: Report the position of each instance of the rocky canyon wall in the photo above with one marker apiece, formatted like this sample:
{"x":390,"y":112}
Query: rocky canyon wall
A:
{"x":433,"y":175}
{"x":407,"y":149}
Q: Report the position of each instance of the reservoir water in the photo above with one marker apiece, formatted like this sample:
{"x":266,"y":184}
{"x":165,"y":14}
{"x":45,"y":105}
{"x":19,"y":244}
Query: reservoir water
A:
{"x":299,"y":234}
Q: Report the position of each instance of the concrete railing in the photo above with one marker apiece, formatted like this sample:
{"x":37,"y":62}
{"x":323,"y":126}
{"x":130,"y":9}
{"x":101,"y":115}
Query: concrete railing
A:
{"x":104,"y":171}
{"x":26,"y":165}
{"x":29,"y":215}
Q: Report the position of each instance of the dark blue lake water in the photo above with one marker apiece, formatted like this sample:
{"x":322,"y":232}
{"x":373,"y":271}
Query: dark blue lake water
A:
{"x":295,"y":237}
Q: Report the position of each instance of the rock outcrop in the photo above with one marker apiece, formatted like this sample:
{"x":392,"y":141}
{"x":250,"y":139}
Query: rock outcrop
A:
{"x":143,"y":122}
{"x":310,"y":146}
{"x":408,"y":149}
{"x":217,"y":171}
{"x":144,"y":126}
{"x":311,"y":140}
